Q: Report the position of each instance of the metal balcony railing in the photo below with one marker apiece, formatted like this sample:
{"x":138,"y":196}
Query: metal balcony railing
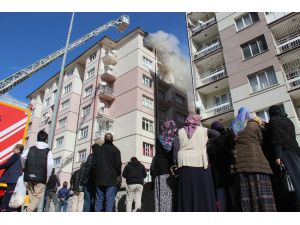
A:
{"x":106,"y":90}
{"x":217,"y":110}
{"x":101,"y":133}
{"x":288,"y":43}
{"x":205,"y":51}
{"x":204,"y":25}
{"x":210,"y":78}
{"x":293,"y":83}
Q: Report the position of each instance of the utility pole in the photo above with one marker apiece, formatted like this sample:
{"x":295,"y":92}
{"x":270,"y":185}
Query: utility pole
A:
{"x":57,"y":101}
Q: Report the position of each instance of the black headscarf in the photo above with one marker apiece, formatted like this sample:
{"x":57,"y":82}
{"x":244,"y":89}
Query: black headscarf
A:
{"x":282,"y":130}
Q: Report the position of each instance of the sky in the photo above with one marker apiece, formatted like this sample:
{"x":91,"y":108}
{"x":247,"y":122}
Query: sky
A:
{"x":28,"y":37}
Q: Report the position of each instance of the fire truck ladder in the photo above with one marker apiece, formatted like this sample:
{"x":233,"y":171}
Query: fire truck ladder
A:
{"x":8,"y":83}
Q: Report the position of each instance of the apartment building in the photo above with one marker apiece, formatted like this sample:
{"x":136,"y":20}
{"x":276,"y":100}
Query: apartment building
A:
{"x":245,"y":59}
{"x":108,"y":88}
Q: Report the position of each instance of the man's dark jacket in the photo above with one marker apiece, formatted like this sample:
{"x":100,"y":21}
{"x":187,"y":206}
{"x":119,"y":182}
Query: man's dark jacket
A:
{"x":89,"y":171}
{"x":13,"y":169}
{"x":134,"y":173}
{"x":76,"y":178}
{"x":107,"y":164}
{"x":53,"y":183}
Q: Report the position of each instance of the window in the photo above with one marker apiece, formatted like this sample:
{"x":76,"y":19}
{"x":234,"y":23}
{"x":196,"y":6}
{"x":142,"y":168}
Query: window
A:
{"x":147,"y":102}
{"x":47,"y":102}
{"x":69,"y":74}
{"x":262,"y":80}
{"x":62,"y":123}
{"x":180,"y":118}
{"x":93,"y":57}
{"x":179,"y":99}
{"x":86,"y":110}
{"x":90,"y":74}
{"x":147,"y":81}
{"x":254,"y":47}
{"x":83,"y":133}
{"x":56,"y":161}
{"x":81,"y":156}
{"x":147,"y":149}
{"x":147,"y":62}
{"x":45,"y":117}
{"x":67,"y":88}
{"x":221,"y":99}
{"x":161,"y":95}
{"x":65,"y":104}
{"x":147,"y":125}
{"x":88,"y":91}
{"x":54,"y":96}
{"x":246,"y":20}
{"x":59,"y":142}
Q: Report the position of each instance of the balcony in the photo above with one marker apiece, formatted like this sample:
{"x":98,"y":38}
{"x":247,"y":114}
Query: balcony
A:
{"x":293,"y":79}
{"x":207,"y":50}
{"x":164,"y":102}
{"x":218,"y":75}
{"x":106,"y":93}
{"x":287,"y":44}
{"x":273,"y":16}
{"x":217,"y":110}
{"x":201,"y":26}
{"x":108,"y":75}
{"x":110,"y":58}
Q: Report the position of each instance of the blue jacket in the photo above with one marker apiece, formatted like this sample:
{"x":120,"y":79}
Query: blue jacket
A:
{"x":64,"y":193}
{"x":13,"y":169}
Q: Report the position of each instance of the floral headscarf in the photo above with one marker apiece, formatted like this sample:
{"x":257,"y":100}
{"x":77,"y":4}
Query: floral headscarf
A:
{"x":191,"y":123}
{"x":167,"y":135}
{"x":238,"y":124}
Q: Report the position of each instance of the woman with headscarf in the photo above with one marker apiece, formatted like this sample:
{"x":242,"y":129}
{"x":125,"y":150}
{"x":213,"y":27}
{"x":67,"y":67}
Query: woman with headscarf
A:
{"x":195,"y":185}
{"x":164,"y":181}
{"x":286,"y":151}
{"x":251,"y":165}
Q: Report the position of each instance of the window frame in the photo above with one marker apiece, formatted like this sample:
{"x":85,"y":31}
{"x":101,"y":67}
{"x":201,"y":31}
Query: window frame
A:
{"x":81,"y":133}
{"x":92,"y":57}
{"x":147,"y":102}
{"x":86,"y":94}
{"x":147,"y":123}
{"x":147,"y":81}
{"x":242,"y":18}
{"x":257,"y":74}
{"x":256,"y":41}
{"x":84,"y":108}
{"x":69,"y":86}
{"x":58,"y":146}
{"x":79,"y":158}
{"x":87,"y":77}
{"x":148,"y":149}
{"x":149,"y":63}
{"x":62,"y":104}
{"x":59,"y":122}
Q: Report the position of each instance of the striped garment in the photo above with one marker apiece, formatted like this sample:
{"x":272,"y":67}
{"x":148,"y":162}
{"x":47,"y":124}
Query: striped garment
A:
{"x":256,"y":193}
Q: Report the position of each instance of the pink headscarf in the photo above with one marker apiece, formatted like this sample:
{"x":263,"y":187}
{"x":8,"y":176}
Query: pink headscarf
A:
{"x":191,"y":123}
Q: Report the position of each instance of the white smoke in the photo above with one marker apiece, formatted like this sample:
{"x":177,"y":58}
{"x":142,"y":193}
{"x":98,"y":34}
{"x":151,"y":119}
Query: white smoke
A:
{"x":170,"y":54}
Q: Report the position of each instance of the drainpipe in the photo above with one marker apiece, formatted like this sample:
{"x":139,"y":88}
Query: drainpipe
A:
{"x":95,"y":98}
{"x":191,"y":61}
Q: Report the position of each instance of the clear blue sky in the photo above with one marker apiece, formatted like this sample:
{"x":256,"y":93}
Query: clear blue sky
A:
{"x":27,"y":37}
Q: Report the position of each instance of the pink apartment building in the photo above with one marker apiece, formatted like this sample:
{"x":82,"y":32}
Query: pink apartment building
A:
{"x":109,"y":87}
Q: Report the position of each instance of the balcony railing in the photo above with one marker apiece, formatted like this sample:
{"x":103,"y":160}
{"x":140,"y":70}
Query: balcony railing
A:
{"x":272,"y":16}
{"x":100,"y":134}
{"x":110,"y":58}
{"x":204,"y":25}
{"x":205,"y":51}
{"x":217,"y":110}
{"x":106,"y":90}
{"x":210,"y":78}
{"x":288,"y":43}
{"x":293,"y":83}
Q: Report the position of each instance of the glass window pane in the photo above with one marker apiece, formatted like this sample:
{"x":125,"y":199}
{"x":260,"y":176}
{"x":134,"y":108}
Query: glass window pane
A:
{"x":224,"y":98}
{"x":254,"y":84}
{"x":246,"y":51}
{"x":254,"y":48}
{"x":247,"y":20}
{"x":263,"y":80}
{"x":262,"y":44}
{"x":271,"y":76}
{"x":254,"y":17}
{"x":239,"y":24}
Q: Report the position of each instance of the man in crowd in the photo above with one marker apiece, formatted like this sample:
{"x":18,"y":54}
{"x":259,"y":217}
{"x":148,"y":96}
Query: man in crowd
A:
{"x":51,"y":189}
{"x":78,"y":189}
{"x":108,"y":168}
{"x":63,"y":195}
{"x":37,"y":162}
{"x":134,"y":173}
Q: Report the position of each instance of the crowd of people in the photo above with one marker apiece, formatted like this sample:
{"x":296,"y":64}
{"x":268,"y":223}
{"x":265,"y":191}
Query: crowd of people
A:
{"x":239,"y":168}
{"x":195,"y":169}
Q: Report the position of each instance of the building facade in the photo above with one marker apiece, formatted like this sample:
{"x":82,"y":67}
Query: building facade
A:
{"x":245,"y":59}
{"x":108,"y":88}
